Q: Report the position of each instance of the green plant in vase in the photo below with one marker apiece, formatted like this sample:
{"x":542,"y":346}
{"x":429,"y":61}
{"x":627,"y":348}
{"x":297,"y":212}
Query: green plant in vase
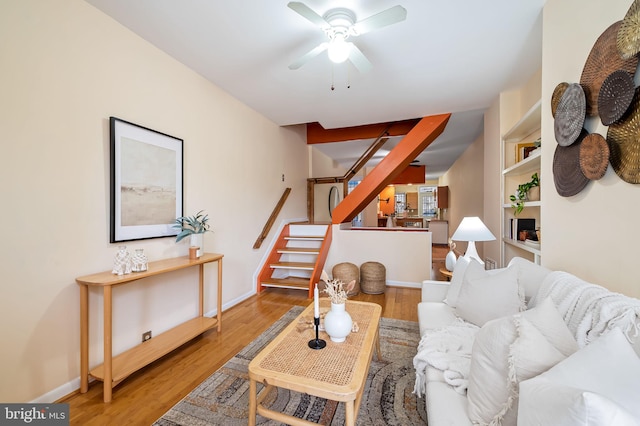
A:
{"x":193,"y":226}
{"x":519,"y":198}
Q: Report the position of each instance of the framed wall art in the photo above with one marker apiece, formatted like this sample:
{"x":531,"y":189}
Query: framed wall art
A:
{"x":146,"y":182}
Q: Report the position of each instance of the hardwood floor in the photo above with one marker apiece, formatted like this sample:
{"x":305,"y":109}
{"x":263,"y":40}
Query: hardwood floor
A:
{"x":146,"y":395}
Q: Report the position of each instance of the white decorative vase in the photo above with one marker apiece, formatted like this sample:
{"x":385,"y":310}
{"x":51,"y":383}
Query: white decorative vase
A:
{"x":338,"y":323}
{"x":139,"y":261}
{"x":450,"y":260}
{"x":122,"y":261}
{"x":197,"y":240}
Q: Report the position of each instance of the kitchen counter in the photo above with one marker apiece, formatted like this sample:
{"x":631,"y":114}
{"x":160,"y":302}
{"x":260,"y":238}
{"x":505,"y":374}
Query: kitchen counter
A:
{"x":406,"y":222}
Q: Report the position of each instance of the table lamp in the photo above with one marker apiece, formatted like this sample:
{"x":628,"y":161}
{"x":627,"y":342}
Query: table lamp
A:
{"x":472,"y":229}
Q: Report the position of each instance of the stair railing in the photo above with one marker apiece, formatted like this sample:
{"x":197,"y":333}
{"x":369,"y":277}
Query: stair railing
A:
{"x":272,"y":219}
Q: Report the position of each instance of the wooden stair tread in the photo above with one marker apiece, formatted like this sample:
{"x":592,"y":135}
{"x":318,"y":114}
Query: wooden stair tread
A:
{"x":289,"y":282}
{"x":293,"y":265}
{"x":299,"y":250}
{"x":305,"y":237}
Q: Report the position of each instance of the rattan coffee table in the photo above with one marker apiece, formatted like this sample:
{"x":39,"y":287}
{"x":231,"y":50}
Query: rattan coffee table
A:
{"x":338,"y":372}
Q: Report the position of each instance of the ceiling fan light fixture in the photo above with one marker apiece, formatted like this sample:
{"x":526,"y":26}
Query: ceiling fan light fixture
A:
{"x":339,"y":49}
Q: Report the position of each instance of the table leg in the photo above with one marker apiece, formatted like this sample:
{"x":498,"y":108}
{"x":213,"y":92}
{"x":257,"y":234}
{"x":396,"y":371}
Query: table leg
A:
{"x":201,"y":290}
{"x":108,"y":367}
{"x":378,"y":351}
{"x":349,"y":413}
{"x":219,"y":295}
{"x":84,"y":339}
{"x":252,"y":402}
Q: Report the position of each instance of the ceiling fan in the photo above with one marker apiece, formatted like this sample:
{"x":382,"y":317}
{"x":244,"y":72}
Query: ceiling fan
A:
{"x":339,"y":24}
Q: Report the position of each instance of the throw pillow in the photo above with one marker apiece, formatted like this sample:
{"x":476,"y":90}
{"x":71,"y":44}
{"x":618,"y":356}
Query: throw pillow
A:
{"x":597,"y":385}
{"x":511,"y":349}
{"x":485,"y":296}
{"x":456,"y":281}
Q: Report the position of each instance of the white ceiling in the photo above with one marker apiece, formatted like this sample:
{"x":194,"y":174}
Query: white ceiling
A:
{"x":447,"y":56}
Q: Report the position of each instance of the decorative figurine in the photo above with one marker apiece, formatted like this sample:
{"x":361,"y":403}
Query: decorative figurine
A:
{"x":122,"y":262}
{"x":139,"y":261}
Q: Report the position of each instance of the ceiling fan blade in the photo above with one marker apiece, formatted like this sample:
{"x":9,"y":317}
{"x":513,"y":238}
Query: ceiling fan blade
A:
{"x":306,"y":12}
{"x":358,"y":59}
{"x":386,"y":17}
{"x":308,"y":56}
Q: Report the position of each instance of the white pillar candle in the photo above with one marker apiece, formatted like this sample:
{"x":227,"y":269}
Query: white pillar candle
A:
{"x":316,"y":303}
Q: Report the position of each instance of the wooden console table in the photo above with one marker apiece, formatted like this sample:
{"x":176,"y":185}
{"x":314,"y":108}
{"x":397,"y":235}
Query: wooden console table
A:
{"x":116,"y":368}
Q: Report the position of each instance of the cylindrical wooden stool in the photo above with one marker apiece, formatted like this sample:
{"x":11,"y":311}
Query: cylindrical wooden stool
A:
{"x":347,"y":272}
{"x":373,"y":278}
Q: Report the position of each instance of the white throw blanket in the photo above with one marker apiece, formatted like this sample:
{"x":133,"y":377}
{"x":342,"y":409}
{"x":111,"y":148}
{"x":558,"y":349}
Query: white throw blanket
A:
{"x":448,"y":350}
{"x":588,"y":309}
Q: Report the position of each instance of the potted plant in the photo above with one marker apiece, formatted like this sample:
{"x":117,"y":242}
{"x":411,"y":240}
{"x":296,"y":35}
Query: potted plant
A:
{"x":520,"y":196}
{"x":193,"y":226}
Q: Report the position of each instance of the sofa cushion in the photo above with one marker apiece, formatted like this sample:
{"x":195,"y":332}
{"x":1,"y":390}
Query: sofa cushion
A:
{"x":434,"y":315}
{"x":456,"y":281}
{"x":445,"y":406}
{"x":530,"y":276}
{"x":485,"y":296}
{"x":508,"y":350}
{"x":597,"y":385}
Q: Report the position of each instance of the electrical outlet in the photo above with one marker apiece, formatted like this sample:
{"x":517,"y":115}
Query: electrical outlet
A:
{"x":146,"y":336}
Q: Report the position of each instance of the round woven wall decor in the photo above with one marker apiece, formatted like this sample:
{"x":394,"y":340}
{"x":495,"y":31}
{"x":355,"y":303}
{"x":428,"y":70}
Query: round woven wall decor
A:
{"x":615,"y":96}
{"x":623,"y":138}
{"x":628,"y":37}
{"x":557,"y":95}
{"x":567,"y":176}
{"x":570,"y":115}
{"x":603,"y":59}
{"x":594,"y":156}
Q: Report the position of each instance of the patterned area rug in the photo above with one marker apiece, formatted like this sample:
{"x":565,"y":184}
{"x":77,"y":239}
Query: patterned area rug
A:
{"x":223,"y":398}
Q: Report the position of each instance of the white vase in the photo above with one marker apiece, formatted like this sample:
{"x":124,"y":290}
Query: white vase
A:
{"x":139,"y":261}
{"x":197,"y":240}
{"x":338,"y":323}
{"x":450,"y":260}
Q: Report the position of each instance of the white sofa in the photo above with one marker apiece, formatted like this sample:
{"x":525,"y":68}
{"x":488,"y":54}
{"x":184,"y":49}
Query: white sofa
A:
{"x":507,"y":346}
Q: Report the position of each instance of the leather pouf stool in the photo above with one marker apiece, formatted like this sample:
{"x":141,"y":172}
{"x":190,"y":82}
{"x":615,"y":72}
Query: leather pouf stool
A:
{"x":346,"y":272}
{"x":373,"y":278}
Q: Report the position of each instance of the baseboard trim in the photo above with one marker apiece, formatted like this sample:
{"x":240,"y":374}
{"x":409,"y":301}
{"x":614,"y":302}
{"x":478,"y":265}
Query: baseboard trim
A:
{"x":404,"y":284}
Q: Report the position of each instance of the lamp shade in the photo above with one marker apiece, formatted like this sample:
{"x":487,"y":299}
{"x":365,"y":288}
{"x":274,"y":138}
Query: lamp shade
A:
{"x":472,"y":229}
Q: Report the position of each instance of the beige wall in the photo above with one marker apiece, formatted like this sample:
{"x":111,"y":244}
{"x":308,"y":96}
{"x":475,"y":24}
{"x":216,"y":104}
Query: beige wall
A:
{"x":67,"y":67}
{"x":466,"y":190}
{"x":492,"y":179}
{"x":593,"y":234}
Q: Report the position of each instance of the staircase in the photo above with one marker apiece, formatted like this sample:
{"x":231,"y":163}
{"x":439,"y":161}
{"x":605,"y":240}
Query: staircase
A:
{"x":294,"y":258}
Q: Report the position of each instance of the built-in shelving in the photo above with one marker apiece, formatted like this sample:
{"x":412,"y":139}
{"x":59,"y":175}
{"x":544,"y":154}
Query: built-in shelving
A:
{"x":514,"y":173}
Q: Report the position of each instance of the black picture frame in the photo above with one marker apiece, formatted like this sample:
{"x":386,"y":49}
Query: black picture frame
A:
{"x":147,"y":178}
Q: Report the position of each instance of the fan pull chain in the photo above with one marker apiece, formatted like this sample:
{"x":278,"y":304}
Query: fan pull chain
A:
{"x":332,"y":86}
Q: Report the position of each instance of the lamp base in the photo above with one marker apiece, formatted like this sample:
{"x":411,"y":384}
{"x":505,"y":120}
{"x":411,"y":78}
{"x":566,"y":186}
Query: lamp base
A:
{"x":472,"y":253}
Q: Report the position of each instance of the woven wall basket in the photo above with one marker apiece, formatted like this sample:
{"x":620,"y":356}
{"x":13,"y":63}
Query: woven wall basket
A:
{"x":615,"y":96}
{"x":623,"y":138}
{"x":557,"y":95}
{"x":628,"y":37}
{"x":567,"y":175}
{"x":603,"y":59}
{"x":570,"y":115}
{"x":594,"y":156}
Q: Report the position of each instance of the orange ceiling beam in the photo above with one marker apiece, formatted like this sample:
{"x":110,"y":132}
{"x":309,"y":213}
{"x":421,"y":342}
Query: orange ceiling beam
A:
{"x":416,"y":140}
{"x":318,"y":134}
